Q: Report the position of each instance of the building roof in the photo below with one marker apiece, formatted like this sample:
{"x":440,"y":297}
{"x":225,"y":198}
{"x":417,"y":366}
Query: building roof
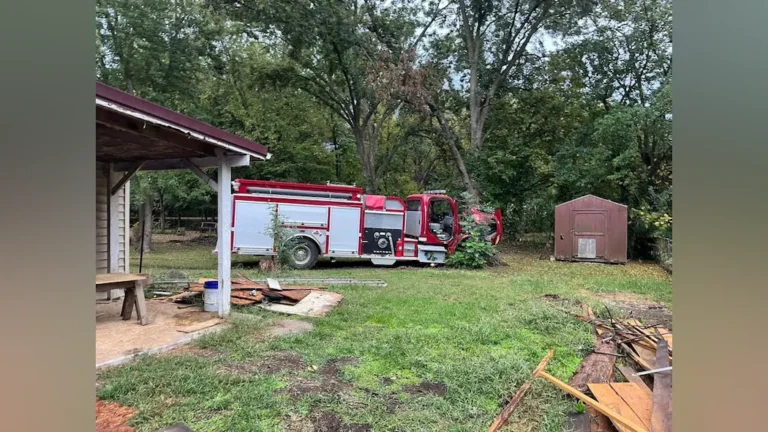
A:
{"x":130,"y":129}
{"x":591,"y":196}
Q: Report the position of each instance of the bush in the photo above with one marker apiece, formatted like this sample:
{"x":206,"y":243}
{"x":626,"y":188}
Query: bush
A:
{"x":475,"y":252}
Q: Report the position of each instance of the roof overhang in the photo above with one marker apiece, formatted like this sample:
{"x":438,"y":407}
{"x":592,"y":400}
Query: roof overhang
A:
{"x":131,"y":130}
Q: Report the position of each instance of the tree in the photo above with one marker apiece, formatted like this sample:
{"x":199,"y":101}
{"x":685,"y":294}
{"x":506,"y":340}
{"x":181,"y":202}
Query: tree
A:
{"x":337,"y":52}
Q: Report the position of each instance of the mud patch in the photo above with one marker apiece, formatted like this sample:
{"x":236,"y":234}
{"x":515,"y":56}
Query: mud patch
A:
{"x":426,"y":388}
{"x":387,"y":381}
{"x":325,"y":421}
{"x":562,"y":301}
{"x":111,"y":417}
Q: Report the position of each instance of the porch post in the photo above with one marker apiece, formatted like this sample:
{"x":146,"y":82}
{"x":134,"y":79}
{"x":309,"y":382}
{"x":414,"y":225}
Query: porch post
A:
{"x":224,"y":234}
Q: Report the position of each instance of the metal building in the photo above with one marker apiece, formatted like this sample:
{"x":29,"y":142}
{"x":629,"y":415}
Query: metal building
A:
{"x":591,"y":229}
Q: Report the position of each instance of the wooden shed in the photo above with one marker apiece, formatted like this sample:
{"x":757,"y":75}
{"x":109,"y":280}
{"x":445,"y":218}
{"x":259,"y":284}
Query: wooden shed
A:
{"x":591,"y":229}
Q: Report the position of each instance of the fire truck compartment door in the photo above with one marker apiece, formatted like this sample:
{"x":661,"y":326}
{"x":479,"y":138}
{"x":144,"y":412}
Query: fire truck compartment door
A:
{"x":251,"y":227}
{"x":344,"y":235}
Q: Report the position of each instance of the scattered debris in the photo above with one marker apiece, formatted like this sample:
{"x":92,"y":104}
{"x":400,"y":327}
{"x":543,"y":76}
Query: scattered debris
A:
{"x":503,"y":418}
{"x":630,"y":406}
{"x":618,"y":419}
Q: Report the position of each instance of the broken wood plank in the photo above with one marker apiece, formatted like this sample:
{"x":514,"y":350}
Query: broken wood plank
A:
{"x":631,"y":352}
{"x":648,"y":356}
{"x":637,"y":399}
{"x":629,"y":374}
{"x":661,"y":415}
{"x":245,"y":296}
{"x":606,"y":395}
{"x":295,"y":295}
{"x":503,"y":417}
{"x":200,"y":326}
{"x":614,"y":416}
{"x":242,"y":302}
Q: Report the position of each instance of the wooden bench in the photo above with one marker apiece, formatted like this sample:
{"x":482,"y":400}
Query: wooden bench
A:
{"x":134,"y":292}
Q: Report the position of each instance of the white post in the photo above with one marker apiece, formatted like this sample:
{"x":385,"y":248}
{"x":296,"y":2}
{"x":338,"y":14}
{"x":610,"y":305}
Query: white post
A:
{"x":224,"y":234}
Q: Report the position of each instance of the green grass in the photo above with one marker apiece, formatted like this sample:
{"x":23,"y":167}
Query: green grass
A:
{"x":478,"y":332}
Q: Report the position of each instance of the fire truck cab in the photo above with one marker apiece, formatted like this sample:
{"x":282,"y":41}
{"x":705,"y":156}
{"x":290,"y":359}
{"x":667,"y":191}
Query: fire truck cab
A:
{"x":340,"y":221}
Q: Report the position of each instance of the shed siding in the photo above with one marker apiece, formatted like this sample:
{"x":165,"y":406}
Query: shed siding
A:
{"x":611,"y":245}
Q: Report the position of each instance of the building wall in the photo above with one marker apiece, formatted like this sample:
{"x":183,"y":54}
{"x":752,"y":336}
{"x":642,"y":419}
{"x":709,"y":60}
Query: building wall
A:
{"x":111,"y":257}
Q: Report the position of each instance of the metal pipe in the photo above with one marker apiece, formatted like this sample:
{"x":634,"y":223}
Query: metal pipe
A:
{"x":289,"y":192}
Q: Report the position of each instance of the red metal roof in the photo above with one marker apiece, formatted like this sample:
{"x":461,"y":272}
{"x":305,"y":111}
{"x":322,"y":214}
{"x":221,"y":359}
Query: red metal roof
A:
{"x":129,"y":101}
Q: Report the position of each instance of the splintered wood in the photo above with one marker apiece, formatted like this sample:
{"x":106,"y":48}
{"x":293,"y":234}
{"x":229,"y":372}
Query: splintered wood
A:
{"x":630,"y":406}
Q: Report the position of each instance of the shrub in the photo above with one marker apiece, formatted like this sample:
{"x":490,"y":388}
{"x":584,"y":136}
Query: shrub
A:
{"x":475,"y":252}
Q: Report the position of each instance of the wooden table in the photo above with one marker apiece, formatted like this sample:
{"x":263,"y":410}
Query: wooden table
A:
{"x":134,"y":292}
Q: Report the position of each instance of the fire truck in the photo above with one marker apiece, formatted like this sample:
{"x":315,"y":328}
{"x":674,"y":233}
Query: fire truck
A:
{"x":340,"y":221}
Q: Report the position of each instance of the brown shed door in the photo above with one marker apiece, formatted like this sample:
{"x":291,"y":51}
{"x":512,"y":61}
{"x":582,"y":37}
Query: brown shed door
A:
{"x":588,"y":234}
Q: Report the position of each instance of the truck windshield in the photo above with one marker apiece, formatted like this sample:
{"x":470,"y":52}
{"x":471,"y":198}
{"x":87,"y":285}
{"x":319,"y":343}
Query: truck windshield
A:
{"x":441,"y":219}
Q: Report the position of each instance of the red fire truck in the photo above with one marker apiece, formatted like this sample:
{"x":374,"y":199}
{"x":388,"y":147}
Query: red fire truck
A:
{"x":340,"y":221}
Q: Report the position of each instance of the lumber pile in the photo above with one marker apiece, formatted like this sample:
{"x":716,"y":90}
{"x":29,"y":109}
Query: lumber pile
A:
{"x":631,"y":406}
{"x":246,"y":292}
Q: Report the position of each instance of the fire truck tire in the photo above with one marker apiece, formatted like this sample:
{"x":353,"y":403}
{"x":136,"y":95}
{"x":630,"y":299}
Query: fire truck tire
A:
{"x":303,"y":255}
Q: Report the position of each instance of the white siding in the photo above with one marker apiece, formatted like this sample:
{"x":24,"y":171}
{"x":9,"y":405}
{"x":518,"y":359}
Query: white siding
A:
{"x":102,"y":221}
{"x":119,"y":203}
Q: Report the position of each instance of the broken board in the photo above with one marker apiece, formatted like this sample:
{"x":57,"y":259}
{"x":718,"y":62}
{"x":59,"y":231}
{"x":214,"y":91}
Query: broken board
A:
{"x":315,"y":304}
{"x":626,"y":399}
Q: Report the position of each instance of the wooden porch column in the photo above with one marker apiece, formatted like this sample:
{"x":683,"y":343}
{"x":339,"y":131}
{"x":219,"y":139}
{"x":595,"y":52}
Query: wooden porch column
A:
{"x":224,"y":234}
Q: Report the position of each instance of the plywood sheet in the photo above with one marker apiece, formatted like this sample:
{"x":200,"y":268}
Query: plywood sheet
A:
{"x":316,"y":304}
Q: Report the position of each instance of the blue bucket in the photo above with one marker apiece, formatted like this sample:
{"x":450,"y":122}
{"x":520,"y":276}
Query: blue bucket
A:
{"x":211,"y":296}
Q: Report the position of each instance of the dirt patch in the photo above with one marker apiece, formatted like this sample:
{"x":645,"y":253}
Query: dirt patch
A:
{"x":427,"y":388}
{"x":330,"y":381}
{"x":287,"y":327}
{"x":387,"y":381}
{"x":282,"y":362}
{"x":325,"y":421}
{"x":111,"y":417}
{"x":187,"y":318}
{"x":635,"y":306}
{"x":332,"y":369}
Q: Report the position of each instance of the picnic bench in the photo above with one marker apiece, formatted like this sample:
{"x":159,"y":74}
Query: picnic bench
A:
{"x":134,"y":292}
{"x":208,"y":227}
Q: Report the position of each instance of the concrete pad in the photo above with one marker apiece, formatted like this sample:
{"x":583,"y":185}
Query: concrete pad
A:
{"x":316,"y":304}
{"x":118,"y":340}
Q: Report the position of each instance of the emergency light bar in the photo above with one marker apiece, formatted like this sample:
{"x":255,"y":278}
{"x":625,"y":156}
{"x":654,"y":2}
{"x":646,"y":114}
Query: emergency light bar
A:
{"x":435,"y":192}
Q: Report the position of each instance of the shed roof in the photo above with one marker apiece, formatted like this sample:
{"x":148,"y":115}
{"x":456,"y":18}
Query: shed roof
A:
{"x":591,"y":196}
{"x":131,"y":129}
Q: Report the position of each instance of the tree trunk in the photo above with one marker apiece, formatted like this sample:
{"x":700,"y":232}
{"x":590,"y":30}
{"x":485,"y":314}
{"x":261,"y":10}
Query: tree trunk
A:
{"x":162,"y":213}
{"x":453,"y":144}
{"x":365,"y":143}
{"x":147,"y":221}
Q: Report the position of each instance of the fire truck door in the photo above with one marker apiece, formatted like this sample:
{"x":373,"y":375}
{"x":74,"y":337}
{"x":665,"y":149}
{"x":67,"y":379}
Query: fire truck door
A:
{"x":344,"y":234}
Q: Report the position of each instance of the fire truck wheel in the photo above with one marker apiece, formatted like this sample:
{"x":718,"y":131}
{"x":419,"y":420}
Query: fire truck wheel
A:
{"x":303,"y":255}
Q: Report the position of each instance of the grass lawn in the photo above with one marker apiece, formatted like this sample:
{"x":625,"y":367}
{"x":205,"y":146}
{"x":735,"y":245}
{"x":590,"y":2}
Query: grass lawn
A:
{"x":435,"y":350}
